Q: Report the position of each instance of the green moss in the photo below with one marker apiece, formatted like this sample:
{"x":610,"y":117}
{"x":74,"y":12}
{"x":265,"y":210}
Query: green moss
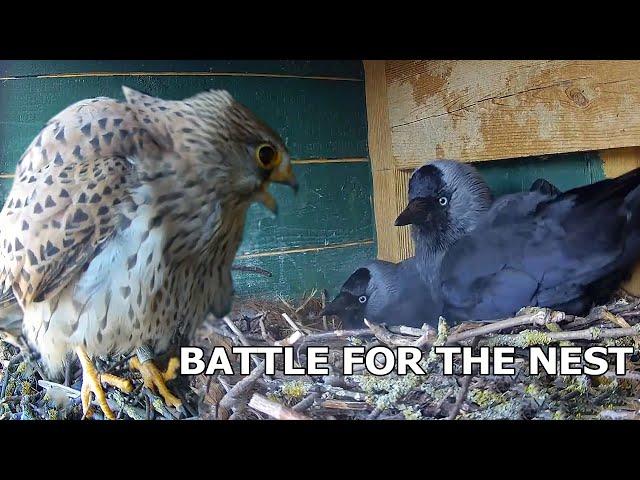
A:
{"x":411,"y":413}
{"x":486,"y":398}
{"x":294,"y":390}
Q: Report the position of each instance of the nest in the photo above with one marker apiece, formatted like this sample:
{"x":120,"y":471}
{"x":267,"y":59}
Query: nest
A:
{"x":25,"y":395}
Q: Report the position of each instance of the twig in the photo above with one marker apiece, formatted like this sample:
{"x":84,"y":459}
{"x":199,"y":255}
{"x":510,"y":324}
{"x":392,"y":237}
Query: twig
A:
{"x":242,"y":387}
{"x":291,"y":322}
{"x":540,"y":317}
{"x":345,"y":405}
{"x":236,"y":331}
{"x":461,"y":397}
{"x":618,"y":415}
{"x":528,"y":338}
{"x":388,"y":338}
{"x":258,"y":270}
{"x":274,"y":409}
{"x":304,"y":304}
{"x":305,"y":403}
{"x":464,"y":389}
{"x":324,"y":305}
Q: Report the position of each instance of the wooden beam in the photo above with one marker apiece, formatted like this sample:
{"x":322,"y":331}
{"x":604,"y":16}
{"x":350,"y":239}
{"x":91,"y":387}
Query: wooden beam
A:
{"x":486,"y":110}
{"x":389,"y":183}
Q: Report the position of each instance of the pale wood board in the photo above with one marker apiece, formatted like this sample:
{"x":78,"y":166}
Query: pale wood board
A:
{"x":388,"y":199}
{"x":486,"y":110}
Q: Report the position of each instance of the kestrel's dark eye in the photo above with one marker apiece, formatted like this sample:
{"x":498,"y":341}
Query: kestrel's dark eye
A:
{"x":362,"y":299}
{"x":267,"y":157}
{"x":443,"y":201}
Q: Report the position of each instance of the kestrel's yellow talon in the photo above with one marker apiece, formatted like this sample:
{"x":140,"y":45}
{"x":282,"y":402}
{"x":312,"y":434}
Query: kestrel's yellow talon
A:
{"x":172,"y":369}
{"x":91,"y":383}
{"x":155,"y":379}
{"x":123,"y":384}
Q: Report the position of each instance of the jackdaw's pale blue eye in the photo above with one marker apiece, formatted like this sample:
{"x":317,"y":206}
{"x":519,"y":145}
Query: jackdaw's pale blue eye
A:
{"x":443,"y":201}
{"x":362,"y":299}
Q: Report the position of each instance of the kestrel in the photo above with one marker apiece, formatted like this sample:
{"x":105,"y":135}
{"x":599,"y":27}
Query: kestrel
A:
{"x":122,"y":223}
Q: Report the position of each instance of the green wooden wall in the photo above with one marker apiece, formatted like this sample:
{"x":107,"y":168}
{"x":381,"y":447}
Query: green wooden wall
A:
{"x":322,"y":234}
{"x":565,"y":171}
{"x":327,"y":230}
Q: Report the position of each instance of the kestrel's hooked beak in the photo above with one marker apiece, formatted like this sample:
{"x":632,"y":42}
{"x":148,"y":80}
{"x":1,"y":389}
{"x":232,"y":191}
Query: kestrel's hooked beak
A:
{"x":282,"y":174}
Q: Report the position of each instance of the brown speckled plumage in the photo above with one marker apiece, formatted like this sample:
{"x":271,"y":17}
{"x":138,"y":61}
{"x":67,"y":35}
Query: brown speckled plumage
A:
{"x":124,"y":219}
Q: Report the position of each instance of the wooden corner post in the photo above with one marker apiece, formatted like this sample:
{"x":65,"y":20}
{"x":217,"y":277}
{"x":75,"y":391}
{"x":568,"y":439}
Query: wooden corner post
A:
{"x":389,"y":183}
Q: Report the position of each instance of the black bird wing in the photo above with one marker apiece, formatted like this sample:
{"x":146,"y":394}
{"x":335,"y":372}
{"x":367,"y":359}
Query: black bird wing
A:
{"x":560,"y":252}
{"x":543,"y":186}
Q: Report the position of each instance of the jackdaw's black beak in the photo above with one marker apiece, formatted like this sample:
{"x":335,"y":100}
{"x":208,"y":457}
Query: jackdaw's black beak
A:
{"x":416,"y":212}
{"x":339,"y":305}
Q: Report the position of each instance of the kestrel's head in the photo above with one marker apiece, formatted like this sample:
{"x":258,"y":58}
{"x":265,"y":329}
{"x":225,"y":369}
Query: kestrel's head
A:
{"x":217,"y":138}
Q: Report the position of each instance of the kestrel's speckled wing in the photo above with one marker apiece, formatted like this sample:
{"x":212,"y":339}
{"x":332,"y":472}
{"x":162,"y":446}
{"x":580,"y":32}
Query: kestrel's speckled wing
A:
{"x":60,"y":208}
{"x":53,"y":228}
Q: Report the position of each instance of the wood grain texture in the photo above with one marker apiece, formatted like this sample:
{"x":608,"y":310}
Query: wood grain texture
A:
{"x":316,"y":68}
{"x":317,"y":118}
{"x":615,"y":162}
{"x":387,"y":200}
{"x":484,"y":110}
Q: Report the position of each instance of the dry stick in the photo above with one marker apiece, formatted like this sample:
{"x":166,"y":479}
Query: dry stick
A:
{"x":618,"y":415}
{"x":461,"y":397}
{"x":541,"y":317}
{"x":464,"y":389}
{"x":324,"y":305}
{"x":306,"y":403}
{"x":304,"y":304}
{"x":345,"y":405}
{"x":266,"y":336}
{"x":291,"y":322}
{"x":236,"y":331}
{"x":274,"y":409}
{"x":246,"y":383}
{"x":592,"y":333}
{"x":242,"y":387}
{"x":240,"y":336}
{"x":385,"y":336}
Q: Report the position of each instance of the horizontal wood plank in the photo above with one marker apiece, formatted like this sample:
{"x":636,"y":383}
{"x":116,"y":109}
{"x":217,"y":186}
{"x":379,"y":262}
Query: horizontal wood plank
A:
{"x":316,"y":68}
{"x":317,"y":118}
{"x":485,"y":110}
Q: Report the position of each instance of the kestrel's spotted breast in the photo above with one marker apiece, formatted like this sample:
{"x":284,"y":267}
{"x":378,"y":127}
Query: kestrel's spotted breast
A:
{"x":125,"y":216}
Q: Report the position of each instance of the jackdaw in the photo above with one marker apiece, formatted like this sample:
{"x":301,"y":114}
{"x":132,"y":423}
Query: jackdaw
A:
{"x":383,"y":292}
{"x":541,"y":248}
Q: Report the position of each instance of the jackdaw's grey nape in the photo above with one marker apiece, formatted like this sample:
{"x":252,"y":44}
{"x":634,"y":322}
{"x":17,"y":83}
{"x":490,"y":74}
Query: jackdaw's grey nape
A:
{"x":564,"y":251}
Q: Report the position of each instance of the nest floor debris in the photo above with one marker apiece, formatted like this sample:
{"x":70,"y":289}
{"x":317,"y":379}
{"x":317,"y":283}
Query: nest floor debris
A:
{"x":25,"y":395}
